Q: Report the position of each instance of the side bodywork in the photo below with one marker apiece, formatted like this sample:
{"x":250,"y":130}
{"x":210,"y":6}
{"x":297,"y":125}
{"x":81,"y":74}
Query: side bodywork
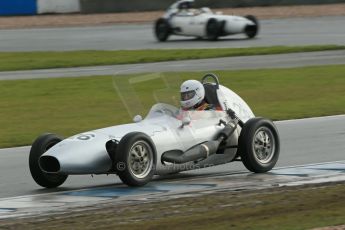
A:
{"x":195,"y":25}
{"x":87,"y":153}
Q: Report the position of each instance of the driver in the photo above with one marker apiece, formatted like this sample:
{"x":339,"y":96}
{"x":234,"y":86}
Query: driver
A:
{"x":193,"y":96}
{"x":186,"y":5}
{"x":186,"y":8}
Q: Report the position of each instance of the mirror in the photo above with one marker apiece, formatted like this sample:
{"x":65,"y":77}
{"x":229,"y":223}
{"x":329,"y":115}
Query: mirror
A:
{"x":137,"y":118}
{"x":186,"y":121}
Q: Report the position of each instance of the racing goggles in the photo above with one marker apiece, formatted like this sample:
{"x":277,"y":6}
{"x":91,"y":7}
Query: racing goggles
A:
{"x":185,"y":96}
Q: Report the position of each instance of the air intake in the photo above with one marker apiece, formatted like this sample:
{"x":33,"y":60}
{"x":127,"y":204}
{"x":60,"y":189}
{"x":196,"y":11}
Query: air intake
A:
{"x":49,"y":164}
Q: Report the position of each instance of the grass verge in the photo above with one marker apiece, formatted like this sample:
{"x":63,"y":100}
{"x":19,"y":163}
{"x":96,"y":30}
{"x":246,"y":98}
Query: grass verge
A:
{"x":12,"y":61}
{"x":304,"y":207}
{"x":71,"y":105}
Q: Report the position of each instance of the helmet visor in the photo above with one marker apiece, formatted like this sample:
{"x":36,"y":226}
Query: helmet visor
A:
{"x":185,"y":96}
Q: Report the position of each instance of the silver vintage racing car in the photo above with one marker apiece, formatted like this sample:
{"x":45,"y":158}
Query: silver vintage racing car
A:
{"x":168,"y":140}
{"x":182,"y":19}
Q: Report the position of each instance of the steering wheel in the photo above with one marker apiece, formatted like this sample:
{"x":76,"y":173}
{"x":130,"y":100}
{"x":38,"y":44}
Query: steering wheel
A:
{"x":214,"y":78}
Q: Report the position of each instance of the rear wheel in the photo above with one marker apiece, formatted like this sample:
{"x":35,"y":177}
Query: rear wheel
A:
{"x":259,"y":145}
{"x":38,"y":148}
{"x":135,"y":159}
{"x":162,"y":29}
{"x":252,"y":30}
{"x":212,"y":29}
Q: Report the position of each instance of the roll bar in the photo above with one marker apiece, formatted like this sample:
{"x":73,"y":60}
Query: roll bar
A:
{"x":214,"y":78}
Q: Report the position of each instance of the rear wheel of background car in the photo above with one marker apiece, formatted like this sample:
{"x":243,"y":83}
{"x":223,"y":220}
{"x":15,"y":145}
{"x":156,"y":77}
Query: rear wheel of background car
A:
{"x":252,"y":30}
{"x":38,"y":148}
{"x":162,"y":29}
{"x":135,"y":159}
{"x":212,"y":29}
{"x":259,"y":145}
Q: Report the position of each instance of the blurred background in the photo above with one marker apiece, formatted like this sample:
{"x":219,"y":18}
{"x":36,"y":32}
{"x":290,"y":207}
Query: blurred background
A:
{"x":33,"y":7}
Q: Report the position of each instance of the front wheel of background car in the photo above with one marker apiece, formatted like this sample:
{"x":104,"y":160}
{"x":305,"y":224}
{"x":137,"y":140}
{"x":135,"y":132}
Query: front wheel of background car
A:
{"x":162,"y":29}
{"x":38,"y":148}
{"x":135,"y":159}
{"x":212,"y":29}
{"x":259,"y":145}
{"x":252,"y":30}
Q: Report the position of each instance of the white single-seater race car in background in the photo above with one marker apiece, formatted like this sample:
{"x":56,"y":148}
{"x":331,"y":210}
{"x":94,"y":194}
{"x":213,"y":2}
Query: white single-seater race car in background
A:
{"x":168,"y":140}
{"x":182,"y":19}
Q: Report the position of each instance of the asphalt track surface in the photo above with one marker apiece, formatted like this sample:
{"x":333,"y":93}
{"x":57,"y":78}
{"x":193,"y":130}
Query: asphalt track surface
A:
{"x":228,"y":63}
{"x":292,"y":31}
{"x":304,"y":141}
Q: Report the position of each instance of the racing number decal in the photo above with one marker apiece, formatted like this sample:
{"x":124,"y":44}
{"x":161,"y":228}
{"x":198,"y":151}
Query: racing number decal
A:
{"x":85,"y":137}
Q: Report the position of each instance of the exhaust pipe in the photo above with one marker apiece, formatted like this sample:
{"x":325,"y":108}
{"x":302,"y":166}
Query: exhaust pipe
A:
{"x":201,"y":151}
{"x":198,"y":152}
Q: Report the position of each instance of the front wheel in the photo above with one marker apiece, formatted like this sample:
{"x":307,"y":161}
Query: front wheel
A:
{"x":259,"y":145}
{"x":162,"y":29}
{"x":252,"y":30}
{"x":38,"y":148}
{"x":135,"y":159}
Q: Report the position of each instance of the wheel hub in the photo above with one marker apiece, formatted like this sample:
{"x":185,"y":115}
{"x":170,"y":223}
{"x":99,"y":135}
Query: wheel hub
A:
{"x":140,"y":159}
{"x":263,"y":145}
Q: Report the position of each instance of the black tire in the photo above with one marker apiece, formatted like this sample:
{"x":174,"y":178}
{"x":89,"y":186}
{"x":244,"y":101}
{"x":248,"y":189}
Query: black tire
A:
{"x":213,"y":29}
{"x":252,"y":30}
{"x":124,"y":159}
{"x":162,"y":29}
{"x":250,"y":145}
{"x":40,"y":146}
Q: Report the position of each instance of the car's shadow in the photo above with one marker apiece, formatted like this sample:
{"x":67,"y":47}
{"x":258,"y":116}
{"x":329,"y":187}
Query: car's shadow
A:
{"x":181,"y":176}
{"x":230,"y":39}
{"x":203,"y":40}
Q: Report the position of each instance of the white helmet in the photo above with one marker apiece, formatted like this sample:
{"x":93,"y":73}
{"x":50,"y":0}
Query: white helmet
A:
{"x":192,"y":93}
